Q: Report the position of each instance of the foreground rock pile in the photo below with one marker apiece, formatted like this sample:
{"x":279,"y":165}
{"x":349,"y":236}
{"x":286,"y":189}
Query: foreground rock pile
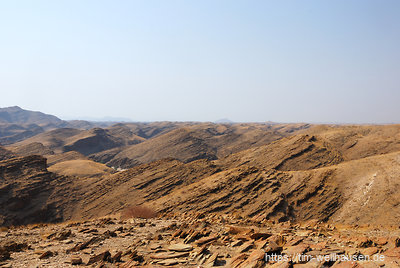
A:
{"x":196,"y":241}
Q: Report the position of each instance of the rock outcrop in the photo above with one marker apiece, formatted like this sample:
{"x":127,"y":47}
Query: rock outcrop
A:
{"x":25,"y":189}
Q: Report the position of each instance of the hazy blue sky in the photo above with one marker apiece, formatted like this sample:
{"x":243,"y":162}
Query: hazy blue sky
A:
{"x":287,"y":61}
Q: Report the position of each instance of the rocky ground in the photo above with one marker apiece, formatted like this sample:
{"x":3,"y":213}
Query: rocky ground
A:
{"x":197,"y":241}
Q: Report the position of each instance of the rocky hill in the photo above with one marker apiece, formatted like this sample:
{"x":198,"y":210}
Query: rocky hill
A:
{"x":275,"y":172}
{"x":197,"y":141}
{"x":273,"y":177}
{"x":5,"y":154}
{"x":25,"y":191}
{"x":11,"y":133}
{"x":16,"y":115}
{"x":17,"y":124}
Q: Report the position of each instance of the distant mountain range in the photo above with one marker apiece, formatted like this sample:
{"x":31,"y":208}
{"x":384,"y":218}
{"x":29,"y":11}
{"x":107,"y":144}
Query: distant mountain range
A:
{"x":17,"y":115}
{"x":17,"y":124}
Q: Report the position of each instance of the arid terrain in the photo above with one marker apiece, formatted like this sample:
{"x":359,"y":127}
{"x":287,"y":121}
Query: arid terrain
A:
{"x":189,"y":194}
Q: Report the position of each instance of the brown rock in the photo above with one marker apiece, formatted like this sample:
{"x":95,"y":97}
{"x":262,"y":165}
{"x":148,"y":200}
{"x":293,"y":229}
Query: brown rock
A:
{"x":243,"y":237}
{"x":192,"y":237}
{"x":169,"y":255}
{"x":245,"y":247}
{"x":237,"y":260}
{"x":294,"y":241}
{"x":319,"y":246}
{"x":282,"y":264}
{"x":168,"y":262}
{"x":15,"y":247}
{"x":369,"y":251}
{"x":273,"y":248}
{"x":76,"y":260}
{"x":177,"y":233}
{"x":206,"y":240}
{"x":116,"y":257}
{"x":364,"y":242}
{"x":46,"y":254}
{"x":257,"y":236}
{"x":393,"y":242}
{"x":346,"y":264}
{"x":296,"y":250}
{"x":158,"y":237}
{"x":236,"y":230}
{"x":4,"y":254}
{"x":394,"y":252}
{"x":237,"y":243}
{"x":278,"y":240}
{"x":134,"y":256}
{"x":83,"y":245}
{"x":255,"y":260}
{"x":260,"y":244}
{"x":381,"y":241}
{"x":212,"y":260}
{"x":109,"y":233}
{"x":180,"y":247}
{"x":104,"y":256}
{"x":60,"y":236}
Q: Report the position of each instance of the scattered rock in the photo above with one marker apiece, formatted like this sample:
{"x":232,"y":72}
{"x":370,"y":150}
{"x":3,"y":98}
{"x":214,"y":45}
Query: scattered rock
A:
{"x":116,"y":257}
{"x":104,"y":256}
{"x":364,"y":242}
{"x":212,"y":260}
{"x":76,"y":260}
{"x":206,"y":240}
{"x":237,"y":260}
{"x":257,"y":236}
{"x":169,"y":255}
{"x":255,"y":260}
{"x":245,"y":247}
{"x":168,"y":262}
{"x":81,"y":246}
{"x":46,"y":254}
{"x":60,"y":236}
{"x":180,"y":247}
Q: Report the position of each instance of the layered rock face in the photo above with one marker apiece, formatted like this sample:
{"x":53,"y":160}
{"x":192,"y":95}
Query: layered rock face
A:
{"x":25,"y":187}
{"x":5,"y":154}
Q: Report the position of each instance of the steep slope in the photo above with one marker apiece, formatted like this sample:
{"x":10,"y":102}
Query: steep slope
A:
{"x":145,"y":182}
{"x":91,"y":141}
{"x":298,"y":152}
{"x":11,"y":133}
{"x":197,"y":141}
{"x":5,"y":154}
{"x":356,"y":142}
{"x":31,"y":149}
{"x":338,"y":174}
{"x":53,"y":139}
{"x":182,"y":144}
{"x":124,"y":134}
{"x":355,"y":192}
{"x":26,"y":188}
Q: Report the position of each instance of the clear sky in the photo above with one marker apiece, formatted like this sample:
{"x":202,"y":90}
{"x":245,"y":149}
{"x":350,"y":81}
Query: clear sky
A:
{"x":286,"y":61}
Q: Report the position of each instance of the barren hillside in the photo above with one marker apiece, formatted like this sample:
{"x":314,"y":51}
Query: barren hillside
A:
{"x":274,"y":176}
